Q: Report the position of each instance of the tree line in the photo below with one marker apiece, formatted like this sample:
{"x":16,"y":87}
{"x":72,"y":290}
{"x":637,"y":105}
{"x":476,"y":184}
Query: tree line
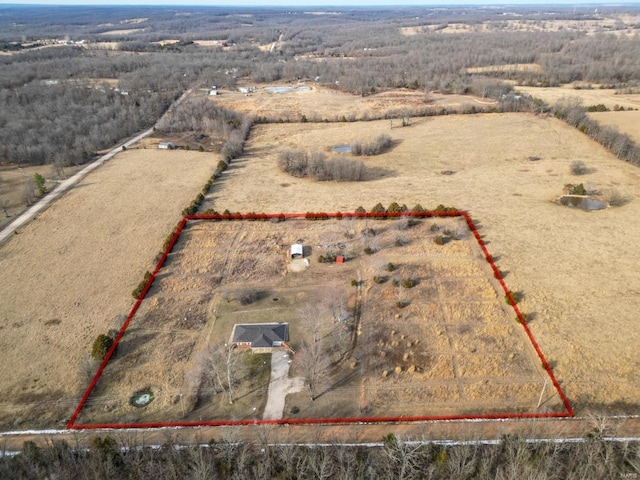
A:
{"x":593,"y":457}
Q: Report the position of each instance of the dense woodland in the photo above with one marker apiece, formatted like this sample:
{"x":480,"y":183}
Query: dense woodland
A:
{"x":58,"y":107}
{"x":511,"y":458}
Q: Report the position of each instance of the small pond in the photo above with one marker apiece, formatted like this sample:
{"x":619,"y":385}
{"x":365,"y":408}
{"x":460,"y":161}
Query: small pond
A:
{"x":287,"y":89}
{"x":342,"y":149}
{"x":583,"y":203}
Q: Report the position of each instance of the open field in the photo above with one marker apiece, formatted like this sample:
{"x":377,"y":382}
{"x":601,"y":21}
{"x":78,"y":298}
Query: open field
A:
{"x":595,"y":96}
{"x":68,"y":275}
{"x":453,"y":348}
{"x":320,"y":103}
{"x":623,"y":24}
{"x":577,"y":270}
{"x":625,"y":122}
{"x":12,"y":187}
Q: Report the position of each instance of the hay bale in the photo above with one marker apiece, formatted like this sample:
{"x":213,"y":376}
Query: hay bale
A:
{"x":393,"y":332}
{"x":412,"y":369}
{"x":383,"y":353}
{"x":397,"y":316}
{"x":385,"y":373}
{"x":395,"y":343}
{"x":402,"y":337}
{"x":354,"y":364}
{"x":398,"y":369}
{"x":405,"y":357}
{"x":409,"y":344}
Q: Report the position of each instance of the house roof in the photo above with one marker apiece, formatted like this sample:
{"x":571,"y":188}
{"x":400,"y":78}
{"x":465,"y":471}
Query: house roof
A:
{"x":260,"y":334}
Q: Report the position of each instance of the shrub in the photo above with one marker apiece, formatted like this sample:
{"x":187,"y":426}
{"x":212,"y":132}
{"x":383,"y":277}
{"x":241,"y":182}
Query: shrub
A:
{"x":379,"y":279}
{"x":408,"y":283}
{"x":390,"y":267}
{"x":615,"y":198}
{"x":360,"y":210}
{"x":101,"y":346}
{"x":578,"y":167}
{"x":222,"y":166}
{"x":438,"y":240}
{"x":328,"y":258}
{"x":368,"y":250}
{"x":138,"y":290}
{"x":317,"y":167}
{"x":354,"y":283}
{"x":434,"y":227}
{"x":378,"y":208}
{"x":509,"y":296}
{"x":381,"y":144}
{"x":40,"y":183}
{"x":395,"y":282}
{"x":418,"y":208}
{"x":401,"y":304}
{"x":579,"y":190}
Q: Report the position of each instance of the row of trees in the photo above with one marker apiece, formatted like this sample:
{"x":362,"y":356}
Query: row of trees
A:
{"x":573,"y":112}
{"x":512,"y":457}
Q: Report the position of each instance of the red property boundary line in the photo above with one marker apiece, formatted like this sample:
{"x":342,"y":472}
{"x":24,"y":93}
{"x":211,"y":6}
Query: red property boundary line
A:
{"x":321,"y":216}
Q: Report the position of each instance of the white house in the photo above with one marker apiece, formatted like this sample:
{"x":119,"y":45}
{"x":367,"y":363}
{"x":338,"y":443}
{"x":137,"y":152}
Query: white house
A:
{"x":297,"y":251}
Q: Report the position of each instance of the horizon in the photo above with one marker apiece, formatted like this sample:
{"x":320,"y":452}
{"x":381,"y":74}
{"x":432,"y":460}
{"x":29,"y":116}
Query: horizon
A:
{"x":316,"y":3}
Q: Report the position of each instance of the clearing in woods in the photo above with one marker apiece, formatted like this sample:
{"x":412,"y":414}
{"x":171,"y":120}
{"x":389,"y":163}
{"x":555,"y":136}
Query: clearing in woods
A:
{"x":405,"y":327}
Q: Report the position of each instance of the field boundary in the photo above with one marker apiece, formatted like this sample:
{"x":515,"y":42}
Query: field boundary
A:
{"x":392,"y":419}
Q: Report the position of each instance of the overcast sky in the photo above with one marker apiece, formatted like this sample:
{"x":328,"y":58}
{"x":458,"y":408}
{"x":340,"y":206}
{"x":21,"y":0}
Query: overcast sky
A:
{"x":310,"y":3}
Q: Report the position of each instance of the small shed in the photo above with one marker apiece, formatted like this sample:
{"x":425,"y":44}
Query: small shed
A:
{"x":297,"y":250}
{"x":339,"y":259}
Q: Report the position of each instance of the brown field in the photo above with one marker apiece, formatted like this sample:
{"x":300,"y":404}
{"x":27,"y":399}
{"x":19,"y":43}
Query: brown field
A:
{"x":577,"y":270}
{"x":68,"y":275}
{"x":617,"y":24}
{"x":321,"y":103}
{"x":513,"y":67}
{"x":589,"y":97}
{"x":453,"y":349}
{"x":625,"y":122}
{"x":12,"y":187}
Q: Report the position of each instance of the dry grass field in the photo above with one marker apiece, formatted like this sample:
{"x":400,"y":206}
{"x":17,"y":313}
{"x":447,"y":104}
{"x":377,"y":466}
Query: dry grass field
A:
{"x":12,"y":187}
{"x":68,"y":275}
{"x":452,"y":348}
{"x":595,"y":96}
{"x":319,"y":103}
{"x":577,"y":270}
{"x":625,"y":122}
{"x":622,"y":24}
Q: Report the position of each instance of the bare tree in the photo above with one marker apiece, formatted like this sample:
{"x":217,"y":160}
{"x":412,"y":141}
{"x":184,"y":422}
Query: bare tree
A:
{"x":220,"y":364}
{"x":315,"y":363}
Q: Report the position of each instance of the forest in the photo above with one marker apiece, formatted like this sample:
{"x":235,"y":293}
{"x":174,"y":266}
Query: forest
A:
{"x":72,"y":84}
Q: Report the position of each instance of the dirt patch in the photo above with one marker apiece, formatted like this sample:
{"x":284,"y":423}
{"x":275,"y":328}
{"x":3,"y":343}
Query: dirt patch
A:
{"x":68,"y":275}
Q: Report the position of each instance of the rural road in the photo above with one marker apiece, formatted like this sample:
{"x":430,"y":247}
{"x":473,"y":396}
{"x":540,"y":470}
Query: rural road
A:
{"x":70,"y":182}
{"x":481,"y":431}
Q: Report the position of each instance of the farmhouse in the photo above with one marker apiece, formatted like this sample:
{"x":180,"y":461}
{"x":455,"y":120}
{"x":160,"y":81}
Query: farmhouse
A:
{"x":260,"y":337}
